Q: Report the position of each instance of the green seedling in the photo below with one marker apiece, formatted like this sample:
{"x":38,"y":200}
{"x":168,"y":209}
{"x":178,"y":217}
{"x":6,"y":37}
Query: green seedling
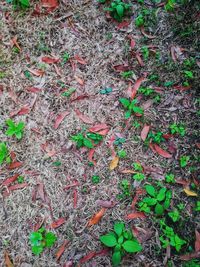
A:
{"x":119,"y":141}
{"x":177,"y":129}
{"x":57,"y":163}
{"x":174,"y":215}
{"x":189,"y":62}
{"x":118,"y":9}
{"x":121,"y":241}
{"x":169,"y":84}
{"x":4,"y":154}
{"x":41,"y":239}
{"x":2,"y":74}
{"x":106,"y":91}
{"x":88,"y":140}
{"x":170,"y":178}
{"x":127,"y":74}
{"x":125,"y":187}
{"x":20,"y":179}
{"x":155,"y":137}
{"x":122,"y":154}
{"x":20,"y":3}
{"x":137,"y":167}
{"x":159,"y":200}
{"x":168,"y":237}
{"x":102,"y":1}
{"x":138,"y":176}
{"x":170,"y":5}
{"x":136,"y":124}
{"x":192,"y":263}
{"x":139,"y":21}
{"x":188,"y":74}
{"x":131,"y":107}
{"x":65,"y":58}
{"x":146,"y":91}
{"x":145,"y":52}
{"x":95,"y":179}
{"x":184,"y":161}
{"x":197,"y":208}
{"x":15,"y":129}
{"x":69,"y":92}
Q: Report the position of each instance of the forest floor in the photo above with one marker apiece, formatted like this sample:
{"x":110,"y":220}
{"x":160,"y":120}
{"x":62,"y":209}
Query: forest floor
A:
{"x":66,"y":70}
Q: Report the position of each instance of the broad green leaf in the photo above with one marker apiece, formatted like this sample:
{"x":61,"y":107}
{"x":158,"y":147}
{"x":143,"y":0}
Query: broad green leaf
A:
{"x":161,"y":194}
{"x":120,"y":10}
{"x":116,"y":258}
{"x":150,"y":190}
{"x":166,"y":203}
{"x":125,"y":102}
{"x":138,"y":110}
{"x":10,"y":123}
{"x":18,"y":135}
{"x":37,"y":249}
{"x":120,"y":239}
{"x":108,"y":240}
{"x":127,"y":114}
{"x":132,"y":246}
{"x":25,"y":3}
{"x":150,"y":201}
{"x":87,"y":143}
{"x":118,"y":228}
{"x":159,"y":209}
{"x":35,"y":238}
{"x":50,"y":239}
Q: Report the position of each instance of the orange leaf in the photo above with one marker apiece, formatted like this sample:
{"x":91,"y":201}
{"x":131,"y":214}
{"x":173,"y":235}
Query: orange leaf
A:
{"x":190,"y":193}
{"x":128,"y":171}
{"x":114,"y":163}
{"x":135,"y":215}
{"x":36,"y":72}
{"x":58,"y":223}
{"x":61,"y":250}
{"x":15,"y":165}
{"x":14,"y":42}
{"x":79,"y":80}
{"x":145,"y":132}
{"x":50,"y":60}
{"x":97,"y":217}
{"x":60,"y":118}
{"x":162,"y":152}
{"x":8,"y":262}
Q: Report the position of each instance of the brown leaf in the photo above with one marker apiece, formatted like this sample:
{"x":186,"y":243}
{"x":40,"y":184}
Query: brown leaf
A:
{"x":61,"y":250}
{"x":80,"y":60}
{"x":50,"y":60}
{"x":93,"y":254}
{"x":33,"y":89}
{"x":146,"y":34}
{"x":52,"y":4}
{"x":128,"y":171}
{"x":145,"y":132}
{"x":106,"y":203}
{"x":190,"y":256}
{"x":135,"y":215}
{"x":15,"y":165}
{"x":172,"y":50}
{"x":135,"y":88}
{"x":114,"y":163}
{"x":60,"y":118}
{"x":139,"y":59}
{"x":121,"y":67}
{"x":123,"y":24}
{"x":14,"y":187}
{"x":197,"y":241}
{"x":14,"y":42}
{"x":97,"y":217}
{"x":10,"y":180}
{"x":98,"y":127}
{"x":58,"y":223}
{"x":182,"y":88}
{"x":90,"y":156}
{"x":8,"y":262}
{"x":23,"y":111}
{"x":83,"y":117}
{"x":79,"y":80}
{"x":80,"y":97}
{"x":36,"y":72}
{"x":162,"y":152}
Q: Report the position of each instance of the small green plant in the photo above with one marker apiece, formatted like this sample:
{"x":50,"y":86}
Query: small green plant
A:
{"x":192,"y":263}
{"x":170,"y":5}
{"x":65,"y":58}
{"x":119,"y":141}
{"x":88,"y":140}
{"x":177,"y":129}
{"x":122,"y":154}
{"x":4,"y":153}
{"x":69,"y":92}
{"x":155,"y":137}
{"x":95,"y":179}
{"x":168,"y":237}
{"x":118,"y":9}
{"x":41,"y":239}
{"x":131,"y":107}
{"x":160,"y":200}
{"x":184,"y":161}
{"x":20,"y":179}
{"x":189,"y":62}
{"x":20,"y":3}
{"x":125,"y":188}
{"x":197,"y":208}
{"x":137,"y":166}
{"x":145,"y":52}
{"x":15,"y":129}
{"x":127,"y":74}
{"x":136,"y":124}
{"x":139,"y":21}
{"x":188,"y":74}
{"x":174,"y":215}
{"x":170,"y":178}
{"x":138,"y":176}
{"x":121,"y":241}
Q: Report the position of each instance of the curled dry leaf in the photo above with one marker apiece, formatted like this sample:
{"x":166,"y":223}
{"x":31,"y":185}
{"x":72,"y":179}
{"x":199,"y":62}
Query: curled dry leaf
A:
{"x":58,"y":223}
{"x":145,"y":132}
{"x":161,"y":151}
{"x":97,"y":217}
{"x":61,"y":250}
{"x":83,"y":117}
{"x":189,"y":192}
{"x":8,"y":262}
{"x":114,"y":163}
{"x":135,"y":215}
{"x":60,"y":118}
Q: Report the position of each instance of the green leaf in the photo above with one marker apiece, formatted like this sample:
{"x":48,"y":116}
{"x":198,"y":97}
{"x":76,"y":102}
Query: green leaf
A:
{"x":159,"y":209}
{"x":35,"y":238}
{"x":127,"y":114}
{"x":161,"y":194}
{"x":150,"y":201}
{"x":87,"y":143}
{"x":125,"y":102}
{"x":120,"y":239}
{"x":37,"y":249}
{"x":120,"y":10}
{"x":118,"y":228}
{"x":116,"y":258}
{"x":166,"y":203}
{"x":138,"y":110}
{"x":108,"y":240}
{"x":132,"y":246}
{"x":18,"y":135}
{"x":150,"y":190}
{"x":25,"y":3}
{"x":50,"y":239}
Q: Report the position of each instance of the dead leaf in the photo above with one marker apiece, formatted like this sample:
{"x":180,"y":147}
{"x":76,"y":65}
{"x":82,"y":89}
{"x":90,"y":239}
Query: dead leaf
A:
{"x":33,"y":89}
{"x":114,"y":163}
{"x":61,"y":250}
{"x":144,"y":132}
{"x":135,"y":215}
{"x":52,"y":4}
{"x":132,"y":93}
{"x":189,"y":192}
{"x":98,"y":128}
{"x":90,"y":156}
{"x":80,"y":60}
{"x":146,"y":34}
{"x":15,"y":165}
{"x":182,"y":88}
{"x":80,"y":97}
{"x":172,"y":50}
{"x":139,"y":59}
{"x":36,"y":72}
{"x":83,"y":117}
{"x":14,"y":42}
{"x":161,"y":151}
{"x":132,"y":42}
{"x":121,"y":67}
{"x":106,"y":203}
{"x":128,"y":171}
{"x":190,"y":256}
{"x":58,"y":223}
{"x":93,"y":254}
{"x":50,"y":60}
{"x":123,"y":24}
{"x":75,"y":197}
{"x":197,"y":241}
{"x":8,"y":262}
{"x":97,"y":217}
{"x":60,"y":118}
{"x":10,"y":180}
{"x":79,"y":80}
{"x":23,"y":111}
{"x":14,"y":187}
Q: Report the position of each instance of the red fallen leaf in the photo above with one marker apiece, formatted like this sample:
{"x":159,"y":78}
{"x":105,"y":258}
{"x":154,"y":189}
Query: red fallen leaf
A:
{"x":135,"y":200}
{"x":80,"y":97}
{"x":24,"y":110}
{"x":60,"y":118}
{"x":88,"y":257}
{"x":190,"y":256}
{"x":139,"y":59}
{"x":106,"y":203}
{"x":14,"y":187}
{"x":121,"y":67}
{"x":33,"y":89}
{"x":15,"y":165}
{"x":76,"y":183}
{"x":58,"y":223}
{"x":197,"y":241}
{"x":68,"y":264}
{"x":135,"y":88}
{"x":123,"y":24}
{"x":83,"y":117}
{"x":13,"y":155}
{"x":80,"y":60}
{"x":50,"y":3}
{"x":98,"y":127}
{"x":135,"y":215}
{"x":162,"y":152}
{"x":198,"y":145}
{"x":58,"y":72}
{"x":61,"y":249}
{"x":36,"y":72}
{"x":172,"y":50}
{"x":167,"y":136}
{"x":104,"y":132}
{"x":75,"y":196}
{"x":8,"y":262}
{"x":79,"y":80}
{"x":182,"y":88}
{"x":132,"y":42}
{"x":146,"y":34}
{"x":10,"y":180}
{"x":90,"y":156}
{"x":14,"y":42}
{"x":50,"y":60}
{"x":145,"y":132}
{"x":97,"y":217}
{"x":1,"y":89}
